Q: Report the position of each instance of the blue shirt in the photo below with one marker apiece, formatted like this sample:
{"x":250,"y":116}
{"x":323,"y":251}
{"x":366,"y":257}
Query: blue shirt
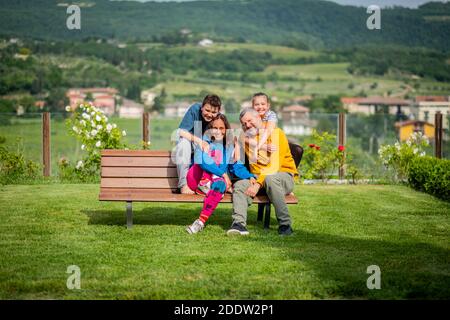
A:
{"x":193,"y":117}
{"x":226,"y":166}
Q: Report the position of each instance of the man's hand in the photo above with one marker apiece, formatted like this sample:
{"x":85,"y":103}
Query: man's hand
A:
{"x":253,"y":190}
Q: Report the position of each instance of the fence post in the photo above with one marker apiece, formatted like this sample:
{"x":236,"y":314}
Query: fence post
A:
{"x":438,"y":134}
{"x":342,"y":139}
{"x":145,"y":131}
{"x":46,"y":143}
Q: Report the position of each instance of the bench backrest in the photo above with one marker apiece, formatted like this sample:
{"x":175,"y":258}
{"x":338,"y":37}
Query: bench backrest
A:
{"x":141,"y":169}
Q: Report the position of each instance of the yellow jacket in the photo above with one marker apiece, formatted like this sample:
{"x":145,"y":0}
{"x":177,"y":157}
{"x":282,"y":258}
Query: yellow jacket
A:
{"x":280,"y":160}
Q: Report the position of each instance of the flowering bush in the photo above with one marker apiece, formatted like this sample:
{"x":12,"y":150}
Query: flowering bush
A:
{"x":322,"y":158}
{"x":92,"y":128}
{"x":399,"y":156}
{"x":14,"y":168}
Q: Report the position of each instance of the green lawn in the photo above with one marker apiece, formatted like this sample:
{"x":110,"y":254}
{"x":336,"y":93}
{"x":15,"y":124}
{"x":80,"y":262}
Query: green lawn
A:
{"x":339,"y":232}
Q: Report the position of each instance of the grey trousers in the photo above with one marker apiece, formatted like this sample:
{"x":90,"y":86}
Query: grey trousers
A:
{"x":182,"y":158}
{"x":277,"y":186}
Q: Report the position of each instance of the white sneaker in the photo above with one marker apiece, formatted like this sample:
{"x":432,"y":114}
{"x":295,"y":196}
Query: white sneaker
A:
{"x":197,"y":226}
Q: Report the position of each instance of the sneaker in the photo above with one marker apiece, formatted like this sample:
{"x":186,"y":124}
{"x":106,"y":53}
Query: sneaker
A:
{"x":237,"y":228}
{"x":197,"y":226}
{"x":285,"y":230}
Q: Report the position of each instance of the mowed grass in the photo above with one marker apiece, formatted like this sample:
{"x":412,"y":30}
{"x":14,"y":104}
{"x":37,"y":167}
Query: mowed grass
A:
{"x":339,"y":232}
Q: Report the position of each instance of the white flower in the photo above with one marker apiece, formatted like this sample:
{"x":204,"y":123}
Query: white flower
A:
{"x":98,"y":118}
{"x":68,"y":108}
{"x":422,"y":154}
{"x":124,"y":133}
{"x":93,"y":124}
{"x":75,"y":129}
{"x":94,"y":133}
{"x":415,"y":150}
{"x":79,"y":164}
{"x":86,"y":116}
{"x":83,"y":146}
{"x":98,"y":144}
{"x":114,"y":125}
{"x":83,"y":123}
{"x":99,"y":127}
{"x":148,"y":142}
{"x":109,"y":127}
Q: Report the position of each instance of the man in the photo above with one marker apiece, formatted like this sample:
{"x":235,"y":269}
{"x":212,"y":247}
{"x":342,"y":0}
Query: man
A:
{"x":190,"y":132}
{"x":276,"y":176}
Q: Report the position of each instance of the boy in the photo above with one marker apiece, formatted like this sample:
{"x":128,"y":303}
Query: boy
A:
{"x":190,"y":132}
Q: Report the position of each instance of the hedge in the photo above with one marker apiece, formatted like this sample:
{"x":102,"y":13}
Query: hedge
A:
{"x":430,"y":175}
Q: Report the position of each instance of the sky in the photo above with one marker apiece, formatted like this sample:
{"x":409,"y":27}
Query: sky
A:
{"x":365,"y":3}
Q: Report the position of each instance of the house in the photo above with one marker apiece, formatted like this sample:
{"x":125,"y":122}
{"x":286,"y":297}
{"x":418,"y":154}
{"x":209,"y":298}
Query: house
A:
{"x":102,"y":98}
{"x":176,"y":109}
{"x":130,"y":109}
{"x":372,"y":105}
{"x":296,"y":121}
{"x":205,"y":43}
{"x":406,"y":128}
{"x":427,"y":106}
{"x":40,"y":104}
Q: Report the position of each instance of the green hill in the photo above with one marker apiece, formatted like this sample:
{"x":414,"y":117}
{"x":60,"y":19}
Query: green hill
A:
{"x":301,"y":23}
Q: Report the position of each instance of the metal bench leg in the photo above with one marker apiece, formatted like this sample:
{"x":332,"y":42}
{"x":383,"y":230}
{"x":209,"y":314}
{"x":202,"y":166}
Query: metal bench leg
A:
{"x":261,"y":207}
{"x":129,"y":215}
{"x":267,"y":216}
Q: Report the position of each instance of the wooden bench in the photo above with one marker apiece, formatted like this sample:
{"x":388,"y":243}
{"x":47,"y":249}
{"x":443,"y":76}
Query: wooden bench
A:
{"x":151,"y":176}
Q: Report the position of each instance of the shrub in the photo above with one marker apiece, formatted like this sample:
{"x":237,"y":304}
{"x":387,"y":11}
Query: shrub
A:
{"x":14,"y":168}
{"x":430,"y":175}
{"x":322,"y":157}
{"x":399,"y":156}
{"x":91,"y":127}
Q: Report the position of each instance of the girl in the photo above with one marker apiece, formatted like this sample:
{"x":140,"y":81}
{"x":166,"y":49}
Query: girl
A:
{"x":209,"y":174}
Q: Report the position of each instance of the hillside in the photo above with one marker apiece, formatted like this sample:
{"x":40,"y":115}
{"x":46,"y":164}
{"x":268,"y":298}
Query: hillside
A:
{"x":301,"y":23}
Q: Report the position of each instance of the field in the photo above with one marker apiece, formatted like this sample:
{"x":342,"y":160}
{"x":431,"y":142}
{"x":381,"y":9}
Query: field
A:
{"x":339,"y":232}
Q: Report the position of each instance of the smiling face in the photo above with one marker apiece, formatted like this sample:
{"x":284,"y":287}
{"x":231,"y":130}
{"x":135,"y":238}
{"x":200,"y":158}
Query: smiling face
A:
{"x":218,"y":130}
{"x":261,"y":105}
{"x":251,"y":123}
{"x":209,"y":112}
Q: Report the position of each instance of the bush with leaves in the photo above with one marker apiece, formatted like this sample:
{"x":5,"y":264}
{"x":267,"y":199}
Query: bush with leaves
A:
{"x":430,"y":175}
{"x":398,"y":157}
{"x":14,"y":168}
{"x":92,"y":128}
{"x":322,"y":158}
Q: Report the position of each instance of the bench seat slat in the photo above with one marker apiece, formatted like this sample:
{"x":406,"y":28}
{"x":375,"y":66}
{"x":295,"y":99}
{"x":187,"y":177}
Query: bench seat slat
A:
{"x":135,"y":153}
{"x":147,"y":183}
{"x":164,"y":162}
{"x":139,"y":172}
{"x":161,"y":195}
